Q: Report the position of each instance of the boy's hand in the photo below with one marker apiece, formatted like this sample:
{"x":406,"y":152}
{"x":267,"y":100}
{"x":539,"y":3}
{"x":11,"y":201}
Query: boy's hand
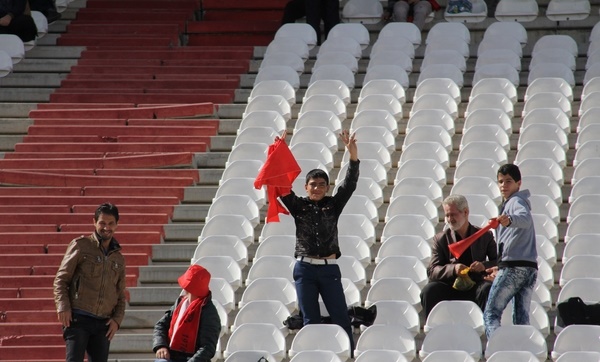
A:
{"x":282,"y":137}
{"x":350,"y":143}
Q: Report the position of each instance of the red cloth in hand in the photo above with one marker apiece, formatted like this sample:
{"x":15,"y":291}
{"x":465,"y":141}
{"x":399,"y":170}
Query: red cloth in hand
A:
{"x":458,"y":248}
{"x":278,"y":173}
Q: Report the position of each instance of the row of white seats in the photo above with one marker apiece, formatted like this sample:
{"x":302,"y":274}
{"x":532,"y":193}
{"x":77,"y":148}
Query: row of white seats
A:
{"x":371,"y":12}
{"x":315,"y":339}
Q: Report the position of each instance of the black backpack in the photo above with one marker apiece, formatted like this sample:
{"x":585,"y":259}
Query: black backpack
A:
{"x":575,"y":311}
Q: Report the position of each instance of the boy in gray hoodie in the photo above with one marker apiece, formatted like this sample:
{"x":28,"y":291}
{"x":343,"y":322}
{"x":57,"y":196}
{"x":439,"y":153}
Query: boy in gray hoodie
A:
{"x":516,"y":273}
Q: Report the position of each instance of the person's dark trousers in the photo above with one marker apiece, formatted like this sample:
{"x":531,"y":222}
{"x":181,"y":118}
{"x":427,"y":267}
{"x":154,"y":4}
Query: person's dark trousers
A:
{"x":491,"y":7}
{"x":86,"y":334}
{"x":326,"y":10}
{"x":22,"y":26}
{"x":294,"y":10}
{"x":435,"y":292}
{"x":312,"y":280}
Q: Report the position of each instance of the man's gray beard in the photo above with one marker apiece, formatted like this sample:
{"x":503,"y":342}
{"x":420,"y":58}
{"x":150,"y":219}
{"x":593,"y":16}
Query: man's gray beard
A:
{"x":455,"y":228}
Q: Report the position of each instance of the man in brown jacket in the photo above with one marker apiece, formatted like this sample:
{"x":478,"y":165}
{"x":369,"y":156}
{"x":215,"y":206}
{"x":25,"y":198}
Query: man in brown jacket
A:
{"x":444,"y":268}
{"x":89,"y":289}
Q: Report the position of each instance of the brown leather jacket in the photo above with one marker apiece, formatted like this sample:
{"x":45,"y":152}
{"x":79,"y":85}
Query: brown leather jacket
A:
{"x":90,"y":281}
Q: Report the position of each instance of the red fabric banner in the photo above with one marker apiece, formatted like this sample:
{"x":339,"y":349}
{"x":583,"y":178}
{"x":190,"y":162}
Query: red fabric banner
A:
{"x":278,"y":173}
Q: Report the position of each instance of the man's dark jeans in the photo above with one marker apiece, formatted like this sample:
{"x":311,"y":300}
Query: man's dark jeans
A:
{"x":86,"y":334}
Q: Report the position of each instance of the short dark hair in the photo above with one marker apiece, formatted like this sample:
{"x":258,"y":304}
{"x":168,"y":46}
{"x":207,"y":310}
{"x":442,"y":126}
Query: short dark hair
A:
{"x":510,"y":170}
{"x":108,"y":209}
{"x":317,"y":173}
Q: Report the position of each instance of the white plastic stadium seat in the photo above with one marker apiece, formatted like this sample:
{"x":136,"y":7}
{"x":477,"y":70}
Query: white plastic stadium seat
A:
{"x":563,"y":10}
{"x":257,"y":336}
{"x":517,"y":337}
{"x":298,"y":30}
{"x":362,"y":11}
{"x":357,"y":31}
{"x":387,"y":337}
{"x":455,"y":312}
{"x":274,"y":87}
{"x":516,"y":10}
{"x":330,"y":337}
{"x":452,"y":337}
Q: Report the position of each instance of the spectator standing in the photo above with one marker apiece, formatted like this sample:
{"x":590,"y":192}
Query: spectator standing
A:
{"x":326,"y":10}
{"x":516,"y":272}
{"x":89,"y":289}
{"x":444,"y":268}
{"x":316,"y":217}
{"x":293,"y":10}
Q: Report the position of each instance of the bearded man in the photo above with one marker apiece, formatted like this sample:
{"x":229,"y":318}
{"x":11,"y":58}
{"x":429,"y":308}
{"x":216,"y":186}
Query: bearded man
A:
{"x":444,"y":268}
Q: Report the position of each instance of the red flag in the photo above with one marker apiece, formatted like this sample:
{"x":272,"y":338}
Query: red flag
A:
{"x":278,"y":173}
{"x":457,"y":249}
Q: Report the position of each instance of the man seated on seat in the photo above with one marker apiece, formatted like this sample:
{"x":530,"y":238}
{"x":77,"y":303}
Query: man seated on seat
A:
{"x":415,"y":11}
{"x":15,"y":18}
{"x":444,"y":267}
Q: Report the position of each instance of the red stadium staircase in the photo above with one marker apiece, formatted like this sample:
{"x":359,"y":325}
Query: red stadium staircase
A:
{"x":124,"y":127}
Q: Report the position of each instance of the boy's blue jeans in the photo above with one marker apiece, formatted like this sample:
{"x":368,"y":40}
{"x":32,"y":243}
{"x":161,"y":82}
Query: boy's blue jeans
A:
{"x":511,"y":282}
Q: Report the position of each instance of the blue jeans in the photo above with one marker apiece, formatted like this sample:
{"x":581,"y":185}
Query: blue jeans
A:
{"x":512,"y":282}
{"x":86,"y":334}
{"x":312,"y":280}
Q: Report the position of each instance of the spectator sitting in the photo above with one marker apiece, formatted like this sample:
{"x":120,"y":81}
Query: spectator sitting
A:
{"x":46,"y":7}
{"x":15,"y":18}
{"x":444,"y":268}
{"x":415,"y":11}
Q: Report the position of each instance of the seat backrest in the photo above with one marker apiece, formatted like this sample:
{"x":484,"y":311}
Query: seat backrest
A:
{"x":403,"y":266}
{"x":394,"y":289}
{"x":413,"y":204}
{"x":271,"y":266}
{"x":387,"y":336}
{"x":386,"y":102}
{"x":276,"y":86}
{"x":489,"y":116}
{"x":236,"y":225}
{"x":438,"y":85}
{"x":262,"y":311}
{"x":329,"y":337}
{"x":261,"y":336}
{"x":485,"y":149}
{"x":329,"y":86}
{"x":405,"y":245}
{"x":387,"y":72}
{"x":408,"y":225}
{"x":547,"y":115}
{"x":455,"y":312}
{"x":516,"y":10}
{"x":452,"y":337}
{"x":577,"y":338}
{"x":495,"y":85}
{"x":517,"y":337}
{"x":375,"y":117}
{"x":271,"y":288}
{"x":418,"y":186}
{"x":298,"y":30}
{"x":229,"y":245}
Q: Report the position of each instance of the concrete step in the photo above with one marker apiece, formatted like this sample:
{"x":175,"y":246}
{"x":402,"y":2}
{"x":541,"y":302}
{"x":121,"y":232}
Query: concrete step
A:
{"x":156,"y":295}
{"x":141,"y":318}
{"x":182,"y":232}
{"x":131,"y":342}
{"x":189,"y":213}
{"x":199,"y":194}
{"x":161,"y":273}
{"x":173,"y":252}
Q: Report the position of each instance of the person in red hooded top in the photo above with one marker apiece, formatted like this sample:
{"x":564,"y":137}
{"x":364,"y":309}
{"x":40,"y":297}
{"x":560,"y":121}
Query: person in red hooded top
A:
{"x":189,"y":331}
